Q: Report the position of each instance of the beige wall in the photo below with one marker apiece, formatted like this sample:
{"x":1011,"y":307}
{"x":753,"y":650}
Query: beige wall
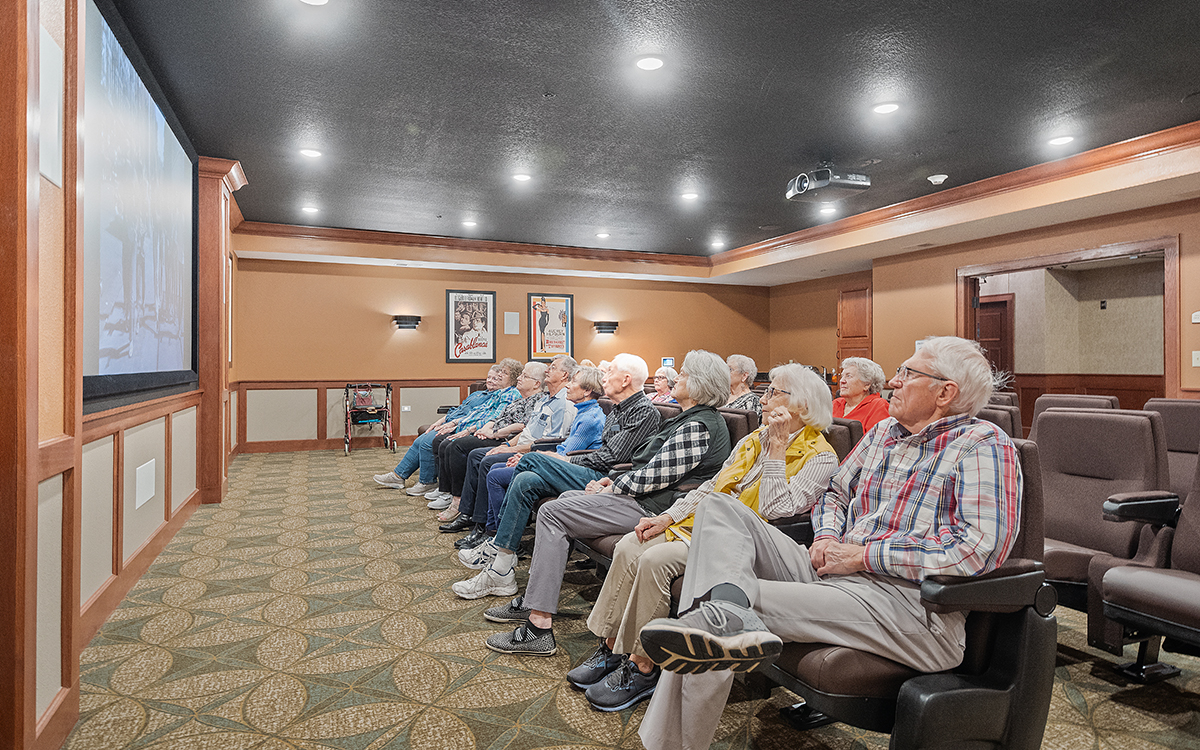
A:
{"x":914,"y":295}
{"x":804,"y":320}
{"x":318,"y":321}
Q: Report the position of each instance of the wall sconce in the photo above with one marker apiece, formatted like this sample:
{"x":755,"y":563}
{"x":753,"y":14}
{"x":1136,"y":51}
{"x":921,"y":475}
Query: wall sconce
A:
{"x":605,"y":326}
{"x":407,"y":321}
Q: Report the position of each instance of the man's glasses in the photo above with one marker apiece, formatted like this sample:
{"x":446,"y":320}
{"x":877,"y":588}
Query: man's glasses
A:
{"x":904,"y":373}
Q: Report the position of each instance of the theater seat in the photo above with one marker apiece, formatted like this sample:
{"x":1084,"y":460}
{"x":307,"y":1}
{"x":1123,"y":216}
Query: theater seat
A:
{"x":1181,"y":420}
{"x":1007,"y":418}
{"x":999,"y":697}
{"x":1069,"y":401}
{"x":842,"y":435}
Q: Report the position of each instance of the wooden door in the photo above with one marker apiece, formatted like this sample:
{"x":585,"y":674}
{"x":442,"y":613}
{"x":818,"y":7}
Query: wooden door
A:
{"x":994,"y":330}
{"x":854,"y":323}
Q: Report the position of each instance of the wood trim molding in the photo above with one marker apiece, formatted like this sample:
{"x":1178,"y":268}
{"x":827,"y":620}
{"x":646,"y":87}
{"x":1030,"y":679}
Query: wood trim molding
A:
{"x":100,"y":424}
{"x":433,"y":242}
{"x":55,"y":456}
{"x":320,"y":444}
{"x":235,"y":214}
{"x":1105,"y":157}
{"x":1114,"y":250}
{"x":228,"y":171}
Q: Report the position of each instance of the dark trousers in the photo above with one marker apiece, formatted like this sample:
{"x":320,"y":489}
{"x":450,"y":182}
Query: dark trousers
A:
{"x":474,"y":499}
{"x":451,"y":458}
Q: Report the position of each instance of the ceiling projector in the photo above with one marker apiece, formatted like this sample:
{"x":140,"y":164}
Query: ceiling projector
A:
{"x":825,"y":185}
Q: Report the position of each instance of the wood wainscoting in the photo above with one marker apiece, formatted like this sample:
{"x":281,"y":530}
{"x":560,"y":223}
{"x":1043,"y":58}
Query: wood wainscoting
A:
{"x":1132,"y":390}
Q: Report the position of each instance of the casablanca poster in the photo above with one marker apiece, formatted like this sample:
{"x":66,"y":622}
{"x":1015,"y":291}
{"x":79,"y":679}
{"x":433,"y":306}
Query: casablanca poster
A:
{"x":551,"y":325}
{"x":470,"y":326}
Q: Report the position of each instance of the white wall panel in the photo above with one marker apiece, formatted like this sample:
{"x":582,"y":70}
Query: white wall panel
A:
{"x":183,"y":456}
{"x":143,"y":443}
{"x":423,"y":404}
{"x":281,"y":415}
{"x":49,"y":591}
{"x":233,"y":418}
{"x":96,"y":523}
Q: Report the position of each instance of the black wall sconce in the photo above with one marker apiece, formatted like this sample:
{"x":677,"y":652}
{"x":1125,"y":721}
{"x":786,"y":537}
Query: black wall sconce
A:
{"x":407,"y":321}
{"x":605,"y":326}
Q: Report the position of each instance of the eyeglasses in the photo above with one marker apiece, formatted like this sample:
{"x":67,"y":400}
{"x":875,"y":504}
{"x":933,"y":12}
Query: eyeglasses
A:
{"x":772,"y":390}
{"x":660,"y":377}
{"x":904,"y":373}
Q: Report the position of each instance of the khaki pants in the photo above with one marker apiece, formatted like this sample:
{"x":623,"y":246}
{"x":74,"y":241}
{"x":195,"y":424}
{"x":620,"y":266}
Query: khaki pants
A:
{"x":637,"y":589}
{"x":863,"y":611}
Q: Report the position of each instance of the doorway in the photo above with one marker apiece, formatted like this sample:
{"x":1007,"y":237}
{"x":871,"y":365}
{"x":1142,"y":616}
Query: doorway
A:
{"x":994,"y":323}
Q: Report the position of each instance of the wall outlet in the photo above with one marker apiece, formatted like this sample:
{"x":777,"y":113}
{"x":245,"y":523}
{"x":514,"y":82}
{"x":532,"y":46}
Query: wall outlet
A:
{"x":1195,"y":359}
{"x":405,"y":408}
{"x":1196,"y":317}
{"x":144,"y":483}
{"x":1103,"y":304}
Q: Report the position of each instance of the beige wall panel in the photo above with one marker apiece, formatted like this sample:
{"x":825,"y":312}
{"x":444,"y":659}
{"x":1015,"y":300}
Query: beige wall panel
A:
{"x":316,"y":321}
{"x":51,"y":310}
{"x":1062,"y":322}
{"x":1126,"y":338}
{"x":423,"y":403}
{"x":143,"y":443}
{"x":233,"y":418}
{"x":281,"y":415}
{"x":96,"y":521}
{"x":49,"y":591}
{"x":803,"y":321}
{"x":183,"y":456}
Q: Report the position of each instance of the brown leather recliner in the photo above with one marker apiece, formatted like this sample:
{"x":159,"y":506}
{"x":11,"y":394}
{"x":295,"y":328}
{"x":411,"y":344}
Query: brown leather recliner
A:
{"x":1069,"y":401}
{"x":999,"y":697}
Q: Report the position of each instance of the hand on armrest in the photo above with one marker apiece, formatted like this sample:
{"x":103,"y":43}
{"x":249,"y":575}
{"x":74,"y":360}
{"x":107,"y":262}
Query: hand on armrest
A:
{"x":1010,"y":587}
{"x":1155,"y":507}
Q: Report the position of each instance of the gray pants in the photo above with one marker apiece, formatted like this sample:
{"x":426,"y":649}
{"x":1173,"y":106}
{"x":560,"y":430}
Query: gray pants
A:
{"x":573,"y":515}
{"x":863,"y":611}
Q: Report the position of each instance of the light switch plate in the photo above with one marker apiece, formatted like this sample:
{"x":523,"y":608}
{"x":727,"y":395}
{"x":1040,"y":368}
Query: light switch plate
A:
{"x":405,"y":408}
{"x":1195,"y":359}
{"x":1196,"y":317}
{"x":144,"y":481}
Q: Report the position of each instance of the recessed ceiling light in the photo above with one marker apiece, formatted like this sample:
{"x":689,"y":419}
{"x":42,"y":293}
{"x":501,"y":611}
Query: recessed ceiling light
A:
{"x":314,"y":2}
{"x":468,"y":223}
{"x":603,"y":235}
{"x":828,"y":210}
{"x":690,"y":196}
{"x":886,"y":108}
{"x":1062,"y":140}
{"x":311,"y":153}
{"x":717,"y":245}
{"x":938,"y":179}
{"x":310,"y":209}
{"x":522,"y":177}
{"x":650,"y":63}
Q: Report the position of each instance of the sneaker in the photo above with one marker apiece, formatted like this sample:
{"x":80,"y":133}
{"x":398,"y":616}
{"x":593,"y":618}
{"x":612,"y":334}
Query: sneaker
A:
{"x":479,"y":557}
{"x":595,"y":668}
{"x":716,"y":635}
{"x":390,"y":480}
{"x":487,"y":583}
{"x":514,"y":611}
{"x":622,"y":688}
{"x":523,"y":641}
{"x":438,"y":500}
{"x":419,"y":489}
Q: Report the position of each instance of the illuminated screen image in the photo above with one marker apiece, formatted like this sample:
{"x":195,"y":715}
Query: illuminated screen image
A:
{"x":138,"y":208}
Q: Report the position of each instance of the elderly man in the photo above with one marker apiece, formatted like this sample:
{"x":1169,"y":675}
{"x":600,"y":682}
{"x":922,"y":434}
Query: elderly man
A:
{"x":930,"y":491}
{"x":690,"y":447}
{"x":632,"y":421}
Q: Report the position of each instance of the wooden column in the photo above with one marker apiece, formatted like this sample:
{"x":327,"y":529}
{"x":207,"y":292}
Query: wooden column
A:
{"x":217,"y":178}
{"x":18,"y":369}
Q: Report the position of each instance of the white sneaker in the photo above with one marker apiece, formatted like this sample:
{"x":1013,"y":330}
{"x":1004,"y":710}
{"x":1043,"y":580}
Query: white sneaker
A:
{"x":390,"y":480}
{"x":478,"y":558}
{"x":419,"y":489}
{"x":487,"y":583}
{"x":439,"y":503}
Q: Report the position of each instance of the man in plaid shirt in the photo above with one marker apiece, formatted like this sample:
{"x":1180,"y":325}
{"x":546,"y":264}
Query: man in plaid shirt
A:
{"x":930,"y":491}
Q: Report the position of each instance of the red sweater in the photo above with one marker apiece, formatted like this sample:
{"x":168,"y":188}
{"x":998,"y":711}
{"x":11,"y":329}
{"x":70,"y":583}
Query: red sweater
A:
{"x":870,"y":411}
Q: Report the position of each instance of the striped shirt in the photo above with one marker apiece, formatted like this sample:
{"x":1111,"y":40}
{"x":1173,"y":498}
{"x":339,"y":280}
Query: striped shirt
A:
{"x":945,"y":501}
{"x":630,"y":423}
{"x":488,"y":409}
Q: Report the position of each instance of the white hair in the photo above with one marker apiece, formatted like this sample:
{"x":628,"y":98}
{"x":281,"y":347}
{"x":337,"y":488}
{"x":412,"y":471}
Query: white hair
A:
{"x":744,"y":365}
{"x":961,"y":361}
{"x":868,"y":371}
{"x":670,"y":374}
{"x":633,"y":366}
{"x":707,"y":378}
{"x":537,"y":371}
{"x":810,"y":397}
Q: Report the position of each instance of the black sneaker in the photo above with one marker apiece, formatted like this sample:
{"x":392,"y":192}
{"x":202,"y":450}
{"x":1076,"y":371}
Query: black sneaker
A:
{"x":595,"y":667}
{"x":477,"y":537}
{"x":523,"y":641}
{"x":716,"y":635}
{"x":514,"y":611}
{"x":624,"y":687}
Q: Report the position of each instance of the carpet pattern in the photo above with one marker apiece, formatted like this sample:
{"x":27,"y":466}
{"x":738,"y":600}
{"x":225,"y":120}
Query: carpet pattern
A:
{"x":311,"y":610}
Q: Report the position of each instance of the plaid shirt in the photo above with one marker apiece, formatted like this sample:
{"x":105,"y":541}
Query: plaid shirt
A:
{"x":945,"y":501}
{"x":631,"y":423}
{"x":679,"y":455}
{"x":488,"y":409}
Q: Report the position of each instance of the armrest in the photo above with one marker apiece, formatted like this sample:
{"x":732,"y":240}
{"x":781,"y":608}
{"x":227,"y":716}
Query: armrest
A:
{"x":1155,"y":507}
{"x":1011,"y":587}
{"x":546,"y":444}
{"x":617,"y":470}
{"x":444,"y":409}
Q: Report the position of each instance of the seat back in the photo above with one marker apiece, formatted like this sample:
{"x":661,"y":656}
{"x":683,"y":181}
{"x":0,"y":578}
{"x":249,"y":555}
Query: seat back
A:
{"x":669,"y":411}
{"x":1031,"y":539}
{"x":606,"y":404}
{"x":1181,"y":419}
{"x":1185,"y":548}
{"x":1088,"y":455}
{"x":1007,"y":418}
{"x":1069,"y":401}
{"x":741,"y":422}
{"x":843,"y":435}
{"x":1007,"y":398}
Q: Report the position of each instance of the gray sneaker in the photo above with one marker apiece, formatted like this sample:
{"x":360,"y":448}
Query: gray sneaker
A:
{"x":623,"y":687}
{"x":596,"y":667}
{"x":716,"y":635}
{"x":514,"y":611}
{"x":522,"y":641}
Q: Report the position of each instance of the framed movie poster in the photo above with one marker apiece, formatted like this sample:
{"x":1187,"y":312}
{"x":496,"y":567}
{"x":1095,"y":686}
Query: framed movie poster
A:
{"x":470,"y":326}
{"x":551,"y":325}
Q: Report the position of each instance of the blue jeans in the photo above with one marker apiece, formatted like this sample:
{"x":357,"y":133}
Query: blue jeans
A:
{"x":538,"y":475}
{"x":474,"y":492}
{"x":420,"y":453}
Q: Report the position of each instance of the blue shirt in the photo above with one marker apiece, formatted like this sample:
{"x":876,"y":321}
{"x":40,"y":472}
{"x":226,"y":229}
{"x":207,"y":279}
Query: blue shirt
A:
{"x":586,"y":430}
{"x":488,"y":409}
{"x":550,"y":418}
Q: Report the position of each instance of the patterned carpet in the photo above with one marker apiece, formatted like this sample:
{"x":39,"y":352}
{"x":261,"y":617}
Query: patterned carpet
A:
{"x":311,"y":610}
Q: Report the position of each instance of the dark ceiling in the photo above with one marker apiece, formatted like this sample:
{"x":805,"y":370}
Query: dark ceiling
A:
{"x":423,"y":111}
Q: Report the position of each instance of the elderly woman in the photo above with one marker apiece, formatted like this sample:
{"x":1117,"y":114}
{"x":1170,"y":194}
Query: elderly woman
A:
{"x":778,"y":470}
{"x":477,"y":409}
{"x":664,"y":381}
{"x":742,"y":372}
{"x":859,"y":385}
